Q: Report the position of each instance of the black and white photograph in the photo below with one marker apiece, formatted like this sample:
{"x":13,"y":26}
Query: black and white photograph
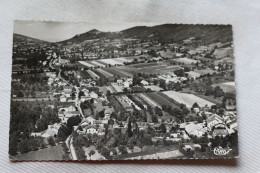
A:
{"x":122,"y":91}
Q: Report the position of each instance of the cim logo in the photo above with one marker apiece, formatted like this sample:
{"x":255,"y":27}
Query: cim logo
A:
{"x":219,"y":151}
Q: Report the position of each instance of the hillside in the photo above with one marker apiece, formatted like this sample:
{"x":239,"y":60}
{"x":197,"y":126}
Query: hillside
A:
{"x":20,"y":38}
{"x":163,"y":33}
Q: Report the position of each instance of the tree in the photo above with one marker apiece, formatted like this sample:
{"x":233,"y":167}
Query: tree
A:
{"x":218,"y":92}
{"x":105,"y":152}
{"x":63,"y":132}
{"x":20,"y":94}
{"x":108,"y":92}
{"x":129,"y":129}
{"x":91,"y":153}
{"x":101,"y":114}
{"x":122,"y":149}
{"x":163,"y":128}
{"x":51,"y":141}
{"x":73,"y":121}
{"x":154,"y":119}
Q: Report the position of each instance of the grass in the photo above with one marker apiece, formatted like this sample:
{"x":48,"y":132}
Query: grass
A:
{"x":147,"y":150}
{"x":51,"y":153}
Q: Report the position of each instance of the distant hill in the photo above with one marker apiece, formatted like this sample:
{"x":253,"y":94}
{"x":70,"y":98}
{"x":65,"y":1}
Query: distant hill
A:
{"x":163,"y":33}
{"x":20,"y":38}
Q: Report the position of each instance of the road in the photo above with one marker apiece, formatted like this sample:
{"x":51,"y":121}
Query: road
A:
{"x":69,"y":140}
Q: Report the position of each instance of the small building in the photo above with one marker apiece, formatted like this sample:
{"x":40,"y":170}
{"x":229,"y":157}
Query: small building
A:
{"x":91,"y":130}
{"x":144,"y":82}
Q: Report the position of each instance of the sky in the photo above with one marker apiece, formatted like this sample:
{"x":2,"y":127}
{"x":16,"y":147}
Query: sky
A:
{"x":58,"y":31}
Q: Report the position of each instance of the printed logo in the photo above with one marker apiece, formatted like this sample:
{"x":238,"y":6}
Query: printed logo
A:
{"x":219,"y":151}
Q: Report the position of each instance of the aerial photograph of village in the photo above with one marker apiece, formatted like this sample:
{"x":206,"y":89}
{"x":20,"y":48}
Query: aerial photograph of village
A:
{"x":142,"y":92}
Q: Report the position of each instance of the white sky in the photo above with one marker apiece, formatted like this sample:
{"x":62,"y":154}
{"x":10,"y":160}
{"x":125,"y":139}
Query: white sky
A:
{"x":58,"y":31}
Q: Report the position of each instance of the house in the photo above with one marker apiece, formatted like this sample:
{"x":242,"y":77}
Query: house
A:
{"x":84,"y":98}
{"x":197,"y":130}
{"x":63,"y":98}
{"x":51,"y":131}
{"x":67,"y":88}
{"x":93,"y":95}
{"x":213,"y":120}
{"x":91,"y":130}
{"x":107,"y":114}
{"x":68,"y":109}
{"x":187,"y":148}
{"x":119,"y":82}
{"x":220,"y":132}
{"x":71,"y":113}
{"x":90,"y":120}
{"x":66,"y":93}
{"x":126,"y":84}
{"x":145,"y":83}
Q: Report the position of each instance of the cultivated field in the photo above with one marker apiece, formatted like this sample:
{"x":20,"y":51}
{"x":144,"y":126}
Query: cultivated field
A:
{"x":117,"y":88}
{"x":150,"y":101}
{"x":160,"y":99}
{"x":105,"y":73}
{"x":153,"y":87}
{"x":227,"y":86}
{"x":86,"y":63}
{"x":187,"y":99}
{"x":185,"y":60}
{"x":96,"y":64}
{"x":111,"y":62}
{"x":93,"y":75}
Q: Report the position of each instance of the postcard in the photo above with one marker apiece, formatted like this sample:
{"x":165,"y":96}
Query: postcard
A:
{"x":86,"y":91}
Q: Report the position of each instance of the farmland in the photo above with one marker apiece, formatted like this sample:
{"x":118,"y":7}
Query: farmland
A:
{"x":150,"y":101}
{"x":154,"y":88}
{"x":185,"y":60}
{"x":115,"y":71}
{"x":93,"y":75}
{"x":105,"y":73}
{"x":86,"y":63}
{"x":227,"y":86}
{"x":149,"y":68}
{"x":160,"y":99}
{"x":187,"y":99}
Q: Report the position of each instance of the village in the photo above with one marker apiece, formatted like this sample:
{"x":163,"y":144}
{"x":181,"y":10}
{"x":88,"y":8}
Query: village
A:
{"x":127,"y":98}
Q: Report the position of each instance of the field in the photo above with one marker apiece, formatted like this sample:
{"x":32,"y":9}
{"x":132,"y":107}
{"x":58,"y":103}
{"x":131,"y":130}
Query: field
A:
{"x":118,"y":72}
{"x":160,"y":99}
{"x":185,"y":60}
{"x":151,"y":152}
{"x":150,"y":101}
{"x":117,"y":106}
{"x":149,"y":68}
{"x":105,"y":73}
{"x":93,"y":75}
{"x":187,"y":99}
{"x":96,"y":64}
{"x":117,"y":88}
{"x":86,"y":63}
{"x":153,"y":87}
{"x":205,"y":71}
{"x":227,"y":86}
{"x":52,"y":153}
